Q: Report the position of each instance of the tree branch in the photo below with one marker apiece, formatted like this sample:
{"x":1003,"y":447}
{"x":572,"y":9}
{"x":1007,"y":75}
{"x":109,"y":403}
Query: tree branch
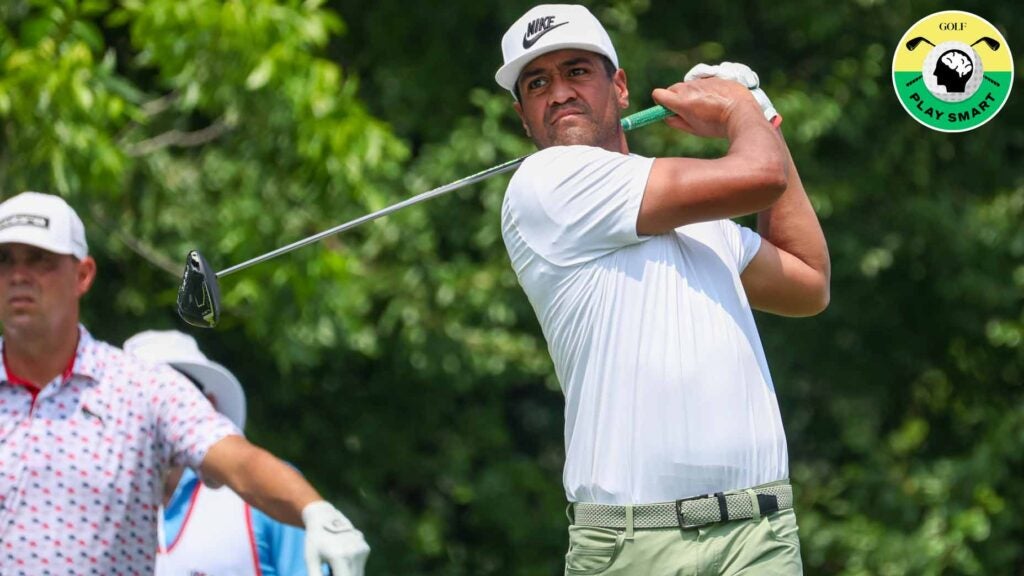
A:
{"x":147,"y":253}
{"x":178,"y":139}
{"x":139,"y":247}
{"x":158,"y":105}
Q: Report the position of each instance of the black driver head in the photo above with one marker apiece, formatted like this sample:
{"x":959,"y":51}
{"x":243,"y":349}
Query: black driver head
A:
{"x":199,"y":295}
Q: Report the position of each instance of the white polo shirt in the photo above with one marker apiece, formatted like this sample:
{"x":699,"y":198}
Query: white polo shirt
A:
{"x":81,"y":464}
{"x":667,"y":389}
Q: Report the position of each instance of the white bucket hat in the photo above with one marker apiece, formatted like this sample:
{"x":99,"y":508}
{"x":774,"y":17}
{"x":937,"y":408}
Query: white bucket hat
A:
{"x":547,"y":28}
{"x":44,"y":221}
{"x":182,"y":353}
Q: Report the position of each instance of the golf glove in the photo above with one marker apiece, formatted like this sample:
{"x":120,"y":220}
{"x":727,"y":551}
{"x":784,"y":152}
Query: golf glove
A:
{"x":331,"y":538}
{"x":739,"y":73}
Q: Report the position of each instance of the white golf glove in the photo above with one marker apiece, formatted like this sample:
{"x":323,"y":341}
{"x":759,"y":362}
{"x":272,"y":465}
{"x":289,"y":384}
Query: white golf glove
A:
{"x":331,"y":538}
{"x":739,"y":73}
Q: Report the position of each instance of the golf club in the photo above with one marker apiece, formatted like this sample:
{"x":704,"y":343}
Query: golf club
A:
{"x":913,"y":42}
{"x":993,"y":45}
{"x":199,"y":293}
{"x":915,"y":80}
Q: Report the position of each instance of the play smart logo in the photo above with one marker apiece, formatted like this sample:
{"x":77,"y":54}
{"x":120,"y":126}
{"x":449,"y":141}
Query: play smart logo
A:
{"x":952,"y":71}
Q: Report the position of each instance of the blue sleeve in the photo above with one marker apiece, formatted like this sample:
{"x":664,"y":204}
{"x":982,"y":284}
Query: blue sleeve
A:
{"x":178,"y":506}
{"x":281,"y":547}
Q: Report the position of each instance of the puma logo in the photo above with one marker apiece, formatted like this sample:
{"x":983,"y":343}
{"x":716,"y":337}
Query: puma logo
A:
{"x":92,"y":414}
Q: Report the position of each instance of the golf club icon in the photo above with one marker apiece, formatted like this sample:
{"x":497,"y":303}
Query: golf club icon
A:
{"x":993,"y":45}
{"x":913,"y":43}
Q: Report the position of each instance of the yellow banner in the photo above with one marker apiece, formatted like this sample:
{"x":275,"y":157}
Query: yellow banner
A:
{"x":953,"y":26}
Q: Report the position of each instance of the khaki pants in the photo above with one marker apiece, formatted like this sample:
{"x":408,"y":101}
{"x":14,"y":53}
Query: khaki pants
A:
{"x":767,"y":546}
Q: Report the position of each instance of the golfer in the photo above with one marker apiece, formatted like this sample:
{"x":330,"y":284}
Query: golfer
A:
{"x":676,"y":458}
{"x":87,"y":431}
{"x":204,"y":530}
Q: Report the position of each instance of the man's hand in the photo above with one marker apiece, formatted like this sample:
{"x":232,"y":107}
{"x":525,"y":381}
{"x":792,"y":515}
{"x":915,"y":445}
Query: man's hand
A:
{"x":707,"y":107}
{"x":331,"y":538}
{"x":738,"y":73}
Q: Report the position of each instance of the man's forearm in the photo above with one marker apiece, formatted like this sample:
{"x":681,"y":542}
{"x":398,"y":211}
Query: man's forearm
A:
{"x":754,"y":148}
{"x":749,"y":178}
{"x":276,"y":488}
{"x":260,"y":478}
{"x":791,"y":224}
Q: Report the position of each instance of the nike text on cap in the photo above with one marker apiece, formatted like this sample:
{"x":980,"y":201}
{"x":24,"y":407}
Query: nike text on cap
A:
{"x":547,"y":28}
{"x":44,"y":221}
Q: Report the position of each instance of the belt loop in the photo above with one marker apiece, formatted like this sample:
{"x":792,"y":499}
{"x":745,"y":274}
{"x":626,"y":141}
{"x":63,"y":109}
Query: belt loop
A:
{"x":629,"y":521}
{"x":756,"y":512}
{"x":570,"y":513}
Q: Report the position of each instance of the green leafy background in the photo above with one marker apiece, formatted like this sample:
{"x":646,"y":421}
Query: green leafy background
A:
{"x":400,"y":367}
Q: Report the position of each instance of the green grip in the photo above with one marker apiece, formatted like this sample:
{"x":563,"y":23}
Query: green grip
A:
{"x":645,"y":117}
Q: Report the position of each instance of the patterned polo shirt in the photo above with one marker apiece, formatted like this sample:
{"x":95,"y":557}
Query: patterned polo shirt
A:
{"x":81,"y":463}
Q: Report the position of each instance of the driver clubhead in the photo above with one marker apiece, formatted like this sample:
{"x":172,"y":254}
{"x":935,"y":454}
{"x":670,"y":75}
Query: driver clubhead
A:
{"x":199,"y":295}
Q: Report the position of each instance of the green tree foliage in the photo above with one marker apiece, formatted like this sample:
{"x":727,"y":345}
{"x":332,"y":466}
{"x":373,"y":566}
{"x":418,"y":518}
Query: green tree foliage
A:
{"x":400,"y":366}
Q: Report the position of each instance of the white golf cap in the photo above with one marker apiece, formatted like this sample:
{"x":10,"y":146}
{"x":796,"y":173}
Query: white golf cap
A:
{"x":182,"y":353}
{"x":44,"y":221}
{"x":547,"y":28}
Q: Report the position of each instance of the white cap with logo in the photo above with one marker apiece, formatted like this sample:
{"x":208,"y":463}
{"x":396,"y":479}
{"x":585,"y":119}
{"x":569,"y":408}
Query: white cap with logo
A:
{"x":547,"y":28}
{"x":44,"y":221}
{"x":182,"y":353}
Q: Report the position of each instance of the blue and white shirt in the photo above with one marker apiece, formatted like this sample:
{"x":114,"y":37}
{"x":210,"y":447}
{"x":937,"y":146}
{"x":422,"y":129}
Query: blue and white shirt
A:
{"x":213,"y":531}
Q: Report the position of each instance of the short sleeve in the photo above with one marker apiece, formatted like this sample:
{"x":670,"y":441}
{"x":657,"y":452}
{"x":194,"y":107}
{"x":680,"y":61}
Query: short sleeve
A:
{"x":572,"y":204}
{"x":188,"y":423}
{"x":743,"y":242}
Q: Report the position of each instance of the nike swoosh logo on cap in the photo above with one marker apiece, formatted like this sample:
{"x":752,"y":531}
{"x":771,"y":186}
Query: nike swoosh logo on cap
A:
{"x":529,"y":42}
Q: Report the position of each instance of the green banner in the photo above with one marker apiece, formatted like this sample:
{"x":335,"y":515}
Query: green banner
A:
{"x":953,"y":116}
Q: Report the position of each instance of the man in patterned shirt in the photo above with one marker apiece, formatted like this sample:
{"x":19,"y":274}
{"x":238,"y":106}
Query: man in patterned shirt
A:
{"x":87,"y":431}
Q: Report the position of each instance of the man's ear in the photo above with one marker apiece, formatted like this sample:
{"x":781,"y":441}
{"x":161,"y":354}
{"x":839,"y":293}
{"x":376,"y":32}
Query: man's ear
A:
{"x":621,"y":88}
{"x":519,"y":110}
{"x":85,"y":273}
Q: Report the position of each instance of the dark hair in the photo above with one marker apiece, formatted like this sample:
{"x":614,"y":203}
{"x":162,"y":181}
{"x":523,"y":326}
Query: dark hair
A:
{"x":609,"y":69}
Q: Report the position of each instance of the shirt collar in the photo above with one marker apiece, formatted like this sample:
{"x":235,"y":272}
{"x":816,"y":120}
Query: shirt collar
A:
{"x":83,"y":364}
{"x":86,"y":356}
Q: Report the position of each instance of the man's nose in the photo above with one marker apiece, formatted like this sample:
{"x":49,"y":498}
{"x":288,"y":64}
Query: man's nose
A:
{"x":561,"y":91}
{"x":18,"y":270}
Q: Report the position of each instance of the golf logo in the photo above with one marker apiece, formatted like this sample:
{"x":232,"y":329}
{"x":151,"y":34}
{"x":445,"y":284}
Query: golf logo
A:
{"x":952,"y":71}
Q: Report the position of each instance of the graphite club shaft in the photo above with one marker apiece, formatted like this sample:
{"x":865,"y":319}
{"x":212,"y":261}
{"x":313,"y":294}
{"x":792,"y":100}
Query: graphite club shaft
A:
{"x":631,"y":122}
